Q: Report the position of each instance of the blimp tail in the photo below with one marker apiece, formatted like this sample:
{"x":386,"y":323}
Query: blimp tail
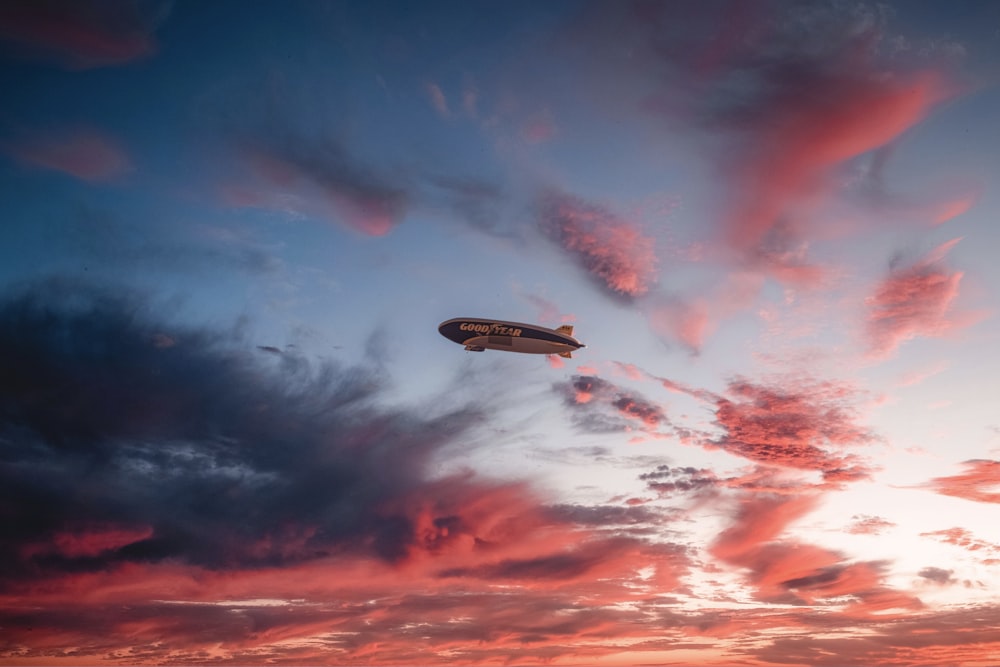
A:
{"x":566,"y":355}
{"x":566,"y":329}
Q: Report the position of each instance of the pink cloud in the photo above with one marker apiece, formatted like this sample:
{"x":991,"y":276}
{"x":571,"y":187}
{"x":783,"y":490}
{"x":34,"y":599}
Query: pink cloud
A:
{"x":81,"y":35}
{"x":438,"y":100}
{"x":792,"y":572}
{"x":555,"y":361}
{"x":790,"y":157}
{"x":913,"y":301}
{"x":614,"y":251}
{"x":950,"y":209}
{"x":795,"y":425}
{"x":85,"y":154}
{"x":980,"y":482}
{"x":869,"y":525}
{"x":961,"y":537}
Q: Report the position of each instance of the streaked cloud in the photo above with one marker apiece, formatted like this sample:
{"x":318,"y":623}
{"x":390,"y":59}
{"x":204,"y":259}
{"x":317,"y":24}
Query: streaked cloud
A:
{"x":914,"y":300}
{"x":320,"y":179}
{"x":616,"y":253}
{"x":980,"y":482}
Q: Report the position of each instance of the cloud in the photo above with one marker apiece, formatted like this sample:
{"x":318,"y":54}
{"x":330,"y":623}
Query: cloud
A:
{"x":817,"y":121}
{"x":163,"y":500}
{"x":668,"y":481}
{"x":794,"y":425}
{"x":936,"y":575}
{"x":782,"y":99}
{"x":83,"y":35}
{"x":961,"y":537}
{"x":87,"y":154}
{"x":978,"y":483}
{"x":318,"y":177}
{"x":912,"y":301}
{"x":601,"y":406}
{"x":863,"y":524}
{"x":615,"y":252}
{"x":306,"y":462}
{"x":437,"y":99}
{"x":790,"y":572}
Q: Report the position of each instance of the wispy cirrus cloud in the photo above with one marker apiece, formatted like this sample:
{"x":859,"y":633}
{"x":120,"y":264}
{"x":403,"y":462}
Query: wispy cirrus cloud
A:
{"x":83,"y":35}
{"x":86,"y":154}
{"x":615,"y":252}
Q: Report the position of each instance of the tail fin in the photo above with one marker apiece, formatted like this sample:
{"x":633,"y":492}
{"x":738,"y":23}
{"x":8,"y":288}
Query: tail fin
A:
{"x":566,"y":355}
{"x":566,"y":329}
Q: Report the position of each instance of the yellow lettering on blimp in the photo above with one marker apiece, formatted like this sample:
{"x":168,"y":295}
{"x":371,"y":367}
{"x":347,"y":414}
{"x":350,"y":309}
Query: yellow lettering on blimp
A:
{"x":489,"y":329}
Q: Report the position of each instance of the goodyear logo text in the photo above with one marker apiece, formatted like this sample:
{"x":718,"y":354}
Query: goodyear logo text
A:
{"x":489,"y":329}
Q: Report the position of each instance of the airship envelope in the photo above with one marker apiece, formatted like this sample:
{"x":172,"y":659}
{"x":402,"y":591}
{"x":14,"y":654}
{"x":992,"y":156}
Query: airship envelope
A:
{"x":478,"y":334}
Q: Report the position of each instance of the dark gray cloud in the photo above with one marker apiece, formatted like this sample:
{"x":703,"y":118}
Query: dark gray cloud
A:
{"x":127,"y":439}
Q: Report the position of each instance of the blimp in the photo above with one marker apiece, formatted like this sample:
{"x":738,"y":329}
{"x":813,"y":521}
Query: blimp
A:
{"x":478,"y":334}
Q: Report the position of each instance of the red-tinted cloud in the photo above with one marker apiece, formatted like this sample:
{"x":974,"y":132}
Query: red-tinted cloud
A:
{"x":961,"y":537}
{"x":614,"y":251}
{"x":793,"y":149}
{"x":980,"y":482}
{"x":913,"y":301}
{"x":760,"y":519}
{"x":797,"y":425}
{"x":87,"y":155}
{"x":81,"y":35}
{"x":784,"y":571}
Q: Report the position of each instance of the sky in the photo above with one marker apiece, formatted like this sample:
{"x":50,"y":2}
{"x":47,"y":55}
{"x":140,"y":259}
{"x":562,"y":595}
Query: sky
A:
{"x":230,"y":432}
